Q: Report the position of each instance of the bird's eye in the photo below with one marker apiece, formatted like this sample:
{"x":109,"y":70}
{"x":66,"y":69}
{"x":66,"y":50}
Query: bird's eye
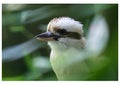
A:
{"x":62,"y":31}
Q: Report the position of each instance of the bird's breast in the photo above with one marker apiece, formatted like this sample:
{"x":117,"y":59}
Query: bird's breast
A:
{"x":61,"y":59}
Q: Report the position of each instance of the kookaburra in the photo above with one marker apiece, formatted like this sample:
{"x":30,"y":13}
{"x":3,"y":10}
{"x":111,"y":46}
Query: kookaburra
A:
{"x":66,"y":38}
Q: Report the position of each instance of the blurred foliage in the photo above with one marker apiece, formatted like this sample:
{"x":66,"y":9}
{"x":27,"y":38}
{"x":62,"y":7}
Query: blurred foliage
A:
{"x":25,"y":58}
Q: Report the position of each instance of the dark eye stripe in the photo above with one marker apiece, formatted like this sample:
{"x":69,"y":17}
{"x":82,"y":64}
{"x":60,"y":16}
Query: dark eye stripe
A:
{"x":62,"y":31}
{"x":74,"y":35}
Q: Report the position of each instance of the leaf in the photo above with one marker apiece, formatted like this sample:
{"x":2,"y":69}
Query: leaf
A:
{"x":18,"y":51}
{"x":50,"y":11}
{"x":41,"y":63}
{"x":13,"y":7}
{"x":17,"y":29}
{"x":11,"y":19}
{"x":98,"y":35}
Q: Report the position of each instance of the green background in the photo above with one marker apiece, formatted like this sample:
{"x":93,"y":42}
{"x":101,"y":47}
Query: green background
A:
{"x":25,"y":58}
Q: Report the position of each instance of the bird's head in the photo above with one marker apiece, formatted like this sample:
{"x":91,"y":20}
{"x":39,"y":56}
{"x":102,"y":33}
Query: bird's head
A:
{"x":64,"y":31}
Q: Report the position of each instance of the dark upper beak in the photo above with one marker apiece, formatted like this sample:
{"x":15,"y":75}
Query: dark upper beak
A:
{"x":47,"y":36}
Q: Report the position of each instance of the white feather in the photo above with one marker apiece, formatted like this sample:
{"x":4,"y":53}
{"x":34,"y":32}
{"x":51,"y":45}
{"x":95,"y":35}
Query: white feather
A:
{"x":69,"y":24}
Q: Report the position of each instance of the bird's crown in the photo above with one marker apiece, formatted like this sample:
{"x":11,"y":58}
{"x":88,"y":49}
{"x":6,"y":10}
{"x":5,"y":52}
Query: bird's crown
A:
{"x":62,"y":25}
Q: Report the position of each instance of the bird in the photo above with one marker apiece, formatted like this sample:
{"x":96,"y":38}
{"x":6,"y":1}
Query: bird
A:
{"x":69,"y":56}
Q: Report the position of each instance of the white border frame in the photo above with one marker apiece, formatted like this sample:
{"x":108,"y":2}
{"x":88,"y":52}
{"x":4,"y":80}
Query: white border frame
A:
{"x":56,"y":2}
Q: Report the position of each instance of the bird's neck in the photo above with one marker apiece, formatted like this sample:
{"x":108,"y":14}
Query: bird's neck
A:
{"x":57,"y":46}
{"x":60,"y":49}
{"x":61,"y":54}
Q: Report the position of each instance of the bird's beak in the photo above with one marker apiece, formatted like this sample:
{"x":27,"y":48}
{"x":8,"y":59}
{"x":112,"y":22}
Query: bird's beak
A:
{"x":47,"y":36}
